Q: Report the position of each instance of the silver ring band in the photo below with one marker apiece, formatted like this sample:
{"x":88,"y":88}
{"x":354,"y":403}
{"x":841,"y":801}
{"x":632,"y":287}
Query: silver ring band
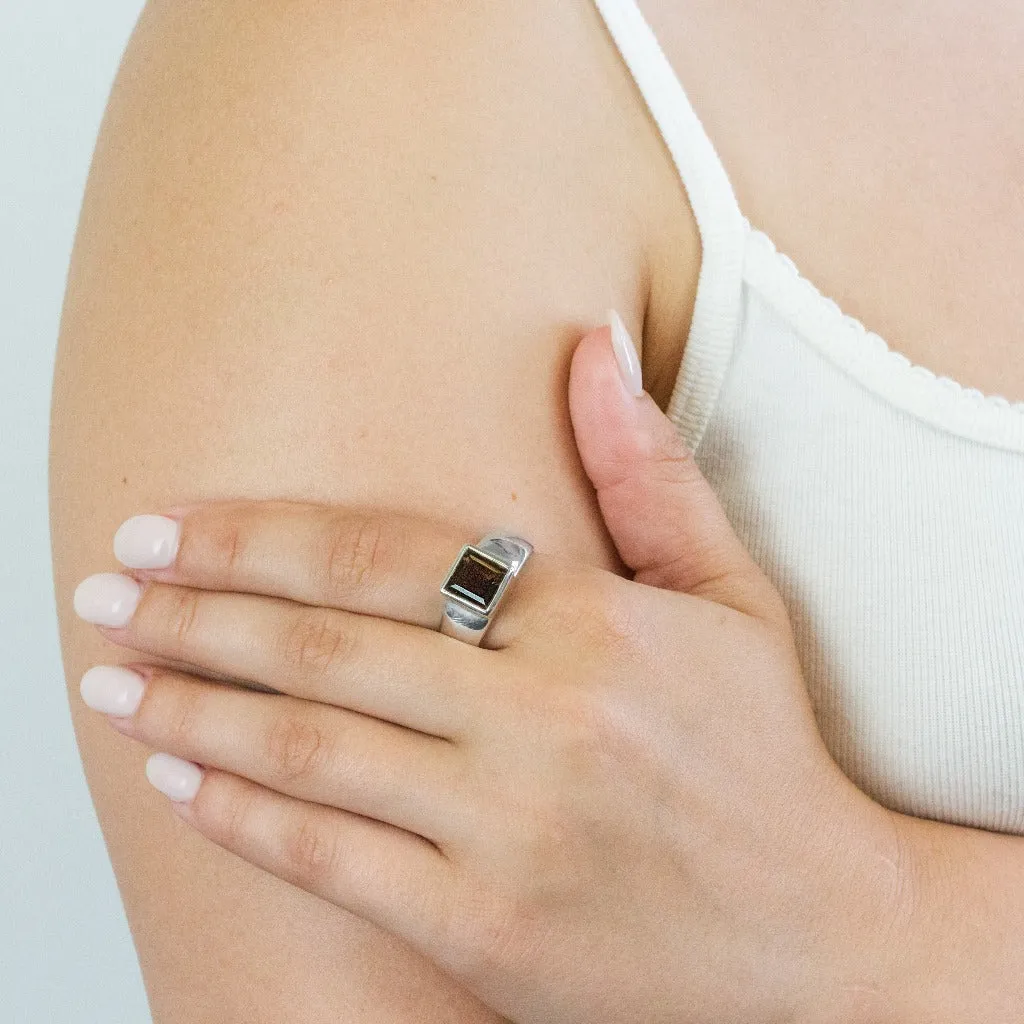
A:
{"x":476,"y":583}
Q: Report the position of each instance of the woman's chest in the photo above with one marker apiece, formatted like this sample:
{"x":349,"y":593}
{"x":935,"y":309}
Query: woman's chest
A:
{"x":898,"y":548}
{"x":883,"y":151}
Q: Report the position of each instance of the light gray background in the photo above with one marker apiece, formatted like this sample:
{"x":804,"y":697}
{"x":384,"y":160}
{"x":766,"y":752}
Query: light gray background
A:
{"x":66,"y":954}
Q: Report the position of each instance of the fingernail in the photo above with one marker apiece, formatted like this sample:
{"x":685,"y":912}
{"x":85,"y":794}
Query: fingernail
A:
{"x":147,"y":542}
{"x":107,"y":598}
{"x":174,"y":777}
{"x":625,"y":354}
{"x":112,"y":689}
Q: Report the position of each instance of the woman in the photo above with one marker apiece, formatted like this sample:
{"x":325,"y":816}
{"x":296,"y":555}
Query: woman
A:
{"x":347,"y":255}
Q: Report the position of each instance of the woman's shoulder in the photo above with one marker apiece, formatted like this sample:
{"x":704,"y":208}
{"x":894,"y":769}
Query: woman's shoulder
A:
{"x":511,"y":132}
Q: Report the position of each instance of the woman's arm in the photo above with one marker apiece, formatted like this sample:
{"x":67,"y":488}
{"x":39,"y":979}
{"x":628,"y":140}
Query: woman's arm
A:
{"x":337,"y":252}
{"x":962,"y":957}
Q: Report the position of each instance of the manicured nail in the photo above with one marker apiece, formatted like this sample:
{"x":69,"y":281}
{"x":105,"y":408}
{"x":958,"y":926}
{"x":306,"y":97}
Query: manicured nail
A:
{"x":174,"y":777}
{"x":107,"y":598}
{"x":112,"y":689}
{"x":147,"y":542}
{"x":625,"y":354}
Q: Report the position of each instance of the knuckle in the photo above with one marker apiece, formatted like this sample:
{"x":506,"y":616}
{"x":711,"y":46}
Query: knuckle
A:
{"x":311,"y":851}
{"x":315,"y":643}
{"x":591,"y":733}
{"x":295,"y":747}
{"x":224,"y":546}
{"x":479,"y":933}
{"x":615,"y":615}
{"x":182,"y":616}
{"x":356,"y":553}
{"x":591,"y":609}
{"x":501,"y":927}
{"x":231,"y":819}
{"x":180,"y":718}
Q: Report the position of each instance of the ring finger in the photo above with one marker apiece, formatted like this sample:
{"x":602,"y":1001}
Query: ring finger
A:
{"x":370,"y":561}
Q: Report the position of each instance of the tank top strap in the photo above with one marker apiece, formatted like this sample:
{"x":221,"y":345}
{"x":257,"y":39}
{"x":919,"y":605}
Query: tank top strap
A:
{"x":722,"y":227}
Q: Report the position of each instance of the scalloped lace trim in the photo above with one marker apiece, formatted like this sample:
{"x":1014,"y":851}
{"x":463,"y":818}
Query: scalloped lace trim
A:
{"x":862,"y":348}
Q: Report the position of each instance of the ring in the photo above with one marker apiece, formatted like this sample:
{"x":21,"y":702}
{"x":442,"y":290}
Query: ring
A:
{"x":476,"y":583}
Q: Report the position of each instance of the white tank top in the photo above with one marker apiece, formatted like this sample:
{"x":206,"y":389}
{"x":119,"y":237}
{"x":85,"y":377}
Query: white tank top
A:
{"x":885,"y":503}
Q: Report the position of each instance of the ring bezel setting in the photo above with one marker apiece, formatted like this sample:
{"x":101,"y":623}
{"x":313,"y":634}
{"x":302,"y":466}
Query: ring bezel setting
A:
{"x":476,"y":583}
{"x":477,"y":579}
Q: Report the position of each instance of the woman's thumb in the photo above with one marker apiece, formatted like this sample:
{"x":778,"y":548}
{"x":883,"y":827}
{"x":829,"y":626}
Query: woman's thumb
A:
{"x":663,"y":517}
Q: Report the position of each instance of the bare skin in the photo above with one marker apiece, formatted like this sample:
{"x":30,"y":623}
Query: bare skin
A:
{"x":881,"y":147}
{"x":311,"y":232}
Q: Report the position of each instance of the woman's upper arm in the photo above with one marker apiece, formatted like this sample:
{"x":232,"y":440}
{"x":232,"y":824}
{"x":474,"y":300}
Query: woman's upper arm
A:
{"x":329,"y":252}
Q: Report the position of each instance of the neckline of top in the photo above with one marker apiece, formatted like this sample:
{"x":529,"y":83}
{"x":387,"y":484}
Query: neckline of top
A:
{"x":733,"y":253}
{"x":865,"y":355}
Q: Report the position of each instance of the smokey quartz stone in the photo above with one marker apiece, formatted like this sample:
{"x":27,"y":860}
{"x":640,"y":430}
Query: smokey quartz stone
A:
{"x":476,"y":579}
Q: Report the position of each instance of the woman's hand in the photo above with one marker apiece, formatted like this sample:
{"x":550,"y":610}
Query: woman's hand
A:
{"x":619,"y":808}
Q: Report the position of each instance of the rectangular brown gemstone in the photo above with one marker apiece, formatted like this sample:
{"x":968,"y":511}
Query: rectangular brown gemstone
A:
{"x":476,"y":578}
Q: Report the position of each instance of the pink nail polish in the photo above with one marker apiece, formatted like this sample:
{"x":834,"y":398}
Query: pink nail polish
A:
{"x":112,"y":689}
{"x":174,"y":777}
{"x":147,"y":542}
{"x":626,"y":354}
{"x":107,"y":599}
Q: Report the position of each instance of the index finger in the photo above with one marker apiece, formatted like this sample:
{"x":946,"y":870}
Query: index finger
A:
{"x":374,"y":561}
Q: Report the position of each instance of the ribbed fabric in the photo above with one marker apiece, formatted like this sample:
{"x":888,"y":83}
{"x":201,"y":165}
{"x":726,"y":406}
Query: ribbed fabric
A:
{"x":885,"y":503}
{"x":721,"y":225}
